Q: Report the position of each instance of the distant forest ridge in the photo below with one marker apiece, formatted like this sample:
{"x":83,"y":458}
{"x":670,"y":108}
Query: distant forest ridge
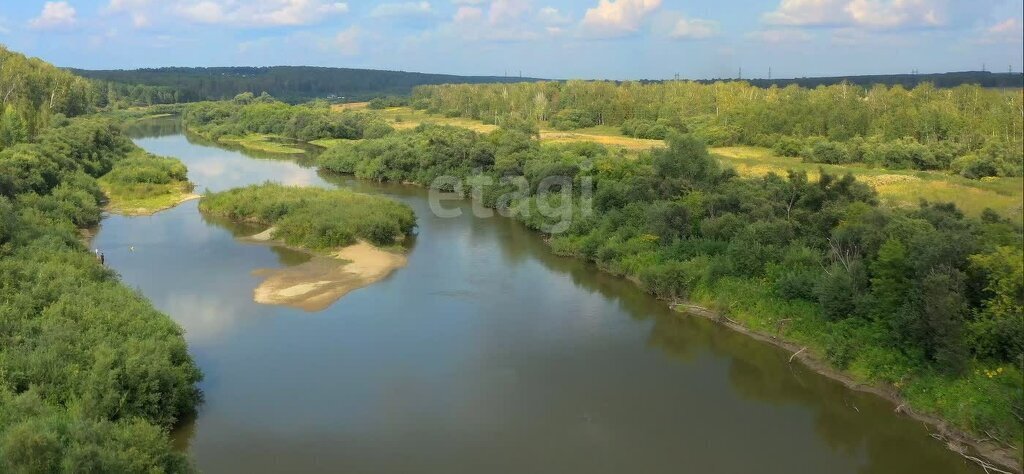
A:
{"x":302,"y":83}
{"x":288,"y":83}
{"x":944,"y":79}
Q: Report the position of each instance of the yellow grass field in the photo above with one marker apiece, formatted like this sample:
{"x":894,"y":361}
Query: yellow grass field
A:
{"x":898,"y":188}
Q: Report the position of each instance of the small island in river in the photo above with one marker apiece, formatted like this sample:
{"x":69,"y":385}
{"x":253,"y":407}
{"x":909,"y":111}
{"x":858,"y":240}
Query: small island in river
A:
{"x":353,"y":237}
{"x":143,"y":184}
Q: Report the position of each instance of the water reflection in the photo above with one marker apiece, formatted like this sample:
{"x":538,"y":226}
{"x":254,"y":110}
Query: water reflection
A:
{"x":485,"y":354}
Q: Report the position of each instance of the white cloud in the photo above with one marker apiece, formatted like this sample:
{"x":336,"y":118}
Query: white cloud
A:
{"x":140,"y":20}
{"x":505,"y":11}
{"x":54,"y":15}
{"x":614,"y":18}
{"x":260,"y":12}
{"x":502,"y":21}
{"x":401,"y":9}
{"x":694,"y":29}
{"x":346,"y":42}
{"x":806,"y":13}
{"x":468,"y":15}
{"x":876,"y":14}
{"x":127,"y":5}
{"x":1010,"y":30}
{"x":551,"y":16}
{"x":895,"y":13}
{"x":203,"y":12}
{"x":780,"y":36}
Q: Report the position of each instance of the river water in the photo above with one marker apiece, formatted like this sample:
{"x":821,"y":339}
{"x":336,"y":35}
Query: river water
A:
{"x":485,"y":354}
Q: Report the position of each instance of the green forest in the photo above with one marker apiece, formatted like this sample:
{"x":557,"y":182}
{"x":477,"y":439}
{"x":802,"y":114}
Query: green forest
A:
{"x":943,"y":79}
{"x":248,"y":114}
{"x":968,"y":130}
{"x":92,"y":377}
{"x":289,"y":83}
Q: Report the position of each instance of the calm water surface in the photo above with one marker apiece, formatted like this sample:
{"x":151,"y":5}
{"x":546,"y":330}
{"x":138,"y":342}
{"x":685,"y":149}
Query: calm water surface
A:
{"x":485,"y":354}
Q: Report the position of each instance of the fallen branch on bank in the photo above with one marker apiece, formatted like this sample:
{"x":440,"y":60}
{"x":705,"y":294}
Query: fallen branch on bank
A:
{"x":796,"y":354}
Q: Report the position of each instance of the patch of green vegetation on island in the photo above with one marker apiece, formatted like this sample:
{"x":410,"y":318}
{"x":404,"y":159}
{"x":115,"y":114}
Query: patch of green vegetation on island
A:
{"x":314,"y":218}
{"x":261,"y":142}
{"x":142,"y":184}
{"x":330,"y":142}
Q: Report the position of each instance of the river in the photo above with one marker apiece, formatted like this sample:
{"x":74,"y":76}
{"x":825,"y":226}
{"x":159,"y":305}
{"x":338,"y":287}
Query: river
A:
{"x":485,"y":354}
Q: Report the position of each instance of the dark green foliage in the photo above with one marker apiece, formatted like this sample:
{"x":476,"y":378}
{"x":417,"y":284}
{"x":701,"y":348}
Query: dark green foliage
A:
{"x":569,"y":119}
{"x":91,"y":375}
{"x":378,"y":103}
{"x":648,"y":129}
{"x":294,"y":84}
{"x":824,"y":151}
{"x":248,"y":114}
{"x":42,"y":439}
{"x":992,"y":160}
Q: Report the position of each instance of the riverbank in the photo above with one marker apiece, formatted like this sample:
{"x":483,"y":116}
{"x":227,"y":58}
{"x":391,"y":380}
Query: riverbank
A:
{"x":989,"y":454}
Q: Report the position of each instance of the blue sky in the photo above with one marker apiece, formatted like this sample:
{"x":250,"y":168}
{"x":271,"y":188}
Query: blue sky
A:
{"x":607,"y":39}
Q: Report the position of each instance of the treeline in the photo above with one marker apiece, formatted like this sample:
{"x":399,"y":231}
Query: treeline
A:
{"x":924,"y":299}
{"x":32,"y":92}
{"x":92,"y":377}
{"x":314,"y":218}
{"x":1000,"y":80}
{"x":249,"y":114}
{"x":290,"y":83}
{"x":973,"y":131}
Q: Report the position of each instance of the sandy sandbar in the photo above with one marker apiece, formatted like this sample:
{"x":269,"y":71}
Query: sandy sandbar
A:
{"x":318,"y":283}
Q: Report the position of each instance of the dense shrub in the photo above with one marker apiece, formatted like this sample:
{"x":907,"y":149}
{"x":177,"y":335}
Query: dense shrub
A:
{"x":264,"y":115}
{"x":570,"y":119}
{"x":91,"y":375}
{"x":315,"y":218}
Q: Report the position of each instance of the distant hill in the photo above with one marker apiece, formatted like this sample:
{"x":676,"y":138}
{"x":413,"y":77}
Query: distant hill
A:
{"x":945,"y":79}
{"x":302,"y":83}
{"x":289,"y":83}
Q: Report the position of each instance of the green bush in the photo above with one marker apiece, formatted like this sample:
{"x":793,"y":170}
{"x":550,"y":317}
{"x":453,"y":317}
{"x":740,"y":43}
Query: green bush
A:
{"x":315,"y":218}
{"x":91,"y":375}
{"x":571,"y":119}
